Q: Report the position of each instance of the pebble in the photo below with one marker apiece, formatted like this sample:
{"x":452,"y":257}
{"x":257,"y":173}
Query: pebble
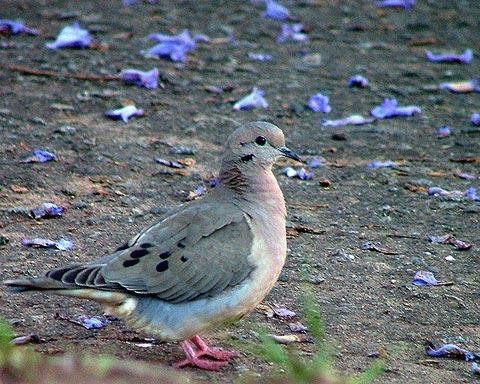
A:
{"x":450,"y":258}
{"x":66,"y":130}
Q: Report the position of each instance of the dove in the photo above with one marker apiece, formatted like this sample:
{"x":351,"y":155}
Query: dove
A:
{"x":206,"y":263}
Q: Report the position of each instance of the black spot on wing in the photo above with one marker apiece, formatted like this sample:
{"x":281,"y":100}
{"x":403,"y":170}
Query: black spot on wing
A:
{"x":184,"y":259}
{"x":146,"y":245}
{"x":122,"y":248}
{"x":163,"y":266}
{"x":165,"y":255}
{"x":138,"y":253}
{"x":247,"y":158}
{"x":130,"y":262}
{"x":180,"y":245}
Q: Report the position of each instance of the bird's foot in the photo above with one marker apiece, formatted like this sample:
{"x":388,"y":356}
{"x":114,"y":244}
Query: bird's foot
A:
{"x":195,"y":357}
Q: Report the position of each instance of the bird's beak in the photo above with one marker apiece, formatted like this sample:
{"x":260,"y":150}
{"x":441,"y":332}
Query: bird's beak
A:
{"x":288,"y":153}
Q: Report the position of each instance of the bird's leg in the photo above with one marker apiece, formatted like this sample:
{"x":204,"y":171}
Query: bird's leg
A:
{"x":193,"y":359}
{"x":215,"y":353}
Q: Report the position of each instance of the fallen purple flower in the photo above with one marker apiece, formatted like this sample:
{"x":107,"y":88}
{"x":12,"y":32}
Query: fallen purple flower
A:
{"x":38,"y":242}
{"x":319,"y":103}
{"x":15,"y":28}
{"x":475,"y":369}
{"x":316,"y":162}
{"x":423,"y":278}
{"x":168,"y":163}
{"x":357,"y":81}
{"x":125,"y":113}
{"x":377,"y":164}
{"x":350,"y":120}
{"x":301,"y":173}
{"x":464,"y":58}
{"x":444,"y":131}
{"x":471,"y":194}
{"x":460,"y":245}
{"x":275,"y":11}
{"x":22,"y":340}
{"x":140,"y":78}
{"x":40,"y":156}
{"x":462,"y":86}
{"x":253,"y":100}
{"x":283,"y":312}
{"x":296,"y":326}
{"x":213,"y":181}
{"x":439,"y":239}
{"x":389,"y":108}
{"x":174,"y":48}
{"x":475,"y":118}
{"x":451,"y":350}
{"x":72,"y":36}
{"x":47,"y":210}
{"x":464,"y":175}
{"x":259,"y":56}
{"x":406,"y":4}
{"x":292,"y":32}
{"x":434,"y":191}
{"x":94,"y":322}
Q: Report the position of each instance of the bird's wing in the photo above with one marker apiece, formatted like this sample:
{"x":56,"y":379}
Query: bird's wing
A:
{"x":199,"y":251}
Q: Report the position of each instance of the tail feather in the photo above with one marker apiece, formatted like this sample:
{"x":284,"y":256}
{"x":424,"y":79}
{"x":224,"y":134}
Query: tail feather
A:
{"x":32,"y":284}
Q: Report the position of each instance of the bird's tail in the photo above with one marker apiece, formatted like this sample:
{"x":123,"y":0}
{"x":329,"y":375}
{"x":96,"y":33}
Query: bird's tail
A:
{"x":83,"y":281}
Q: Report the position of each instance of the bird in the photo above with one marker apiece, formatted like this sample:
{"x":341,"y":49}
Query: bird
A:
{"x":206,"y":263}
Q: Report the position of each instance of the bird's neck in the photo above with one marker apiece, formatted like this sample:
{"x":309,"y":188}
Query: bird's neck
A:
{"x":254,"y":187}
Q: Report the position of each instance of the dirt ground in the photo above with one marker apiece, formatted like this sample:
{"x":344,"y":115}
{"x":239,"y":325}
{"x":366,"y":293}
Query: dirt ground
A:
{"x":108,"y":180}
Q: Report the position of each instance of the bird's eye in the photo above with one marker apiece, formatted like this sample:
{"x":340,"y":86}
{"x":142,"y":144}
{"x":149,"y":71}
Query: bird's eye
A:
{"x":260,"y":140}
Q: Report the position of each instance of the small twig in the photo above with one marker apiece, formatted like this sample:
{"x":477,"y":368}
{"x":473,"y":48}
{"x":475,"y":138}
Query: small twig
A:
{"x":308,"y":206}
{"x":44,"y":72}
{"x":399,"y":235}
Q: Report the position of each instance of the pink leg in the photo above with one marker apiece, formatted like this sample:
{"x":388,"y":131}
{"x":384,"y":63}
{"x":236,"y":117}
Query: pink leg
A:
{"x":194,"y":359}
{"x":215,"y":353}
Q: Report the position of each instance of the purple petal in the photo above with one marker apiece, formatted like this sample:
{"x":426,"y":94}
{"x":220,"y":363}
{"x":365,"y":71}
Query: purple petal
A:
{"x":140,"y":78}
{"x":301,"y":173}
{"x":168,"y":50}
{"x":462,"y":86}
{"x":72,"y":36}
{"x":40,"y":156}
{"x":125,"y":113}
{"x":184,"y":38}
{"x":464,"y":58}
{"x":433,"y":191}
{"x":316,"y":162}
{"x":422,"y":278}
{"x":290,"y":172}
{"x":464,"y":175}
{"x":475,"y":118}
{"x":213,"y":182}
{"x":357,"y":81}
{"x":259,"y":56}
{"x":319,"y":103}
{"x":275,"y":11}
{"x":450,"y":350}
{"x":15,"y":28}
{"x":406,"y":4}
{"x":471,"y":194}
{"x":438,"y":239}
{"x":94,"y":322}
{"x":62,"y":244}
{"x":38,"y":242}
{"x":168,"y":163}
{"x":350,"y":120}
{"x":444,"y":131}
{"x":382,"y":164}
{"x":254,"y":100}
{"x":47,"y":210}
{"x":475,"y":369}
{"x":389,"y":108}
{"x":292,"y":32}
